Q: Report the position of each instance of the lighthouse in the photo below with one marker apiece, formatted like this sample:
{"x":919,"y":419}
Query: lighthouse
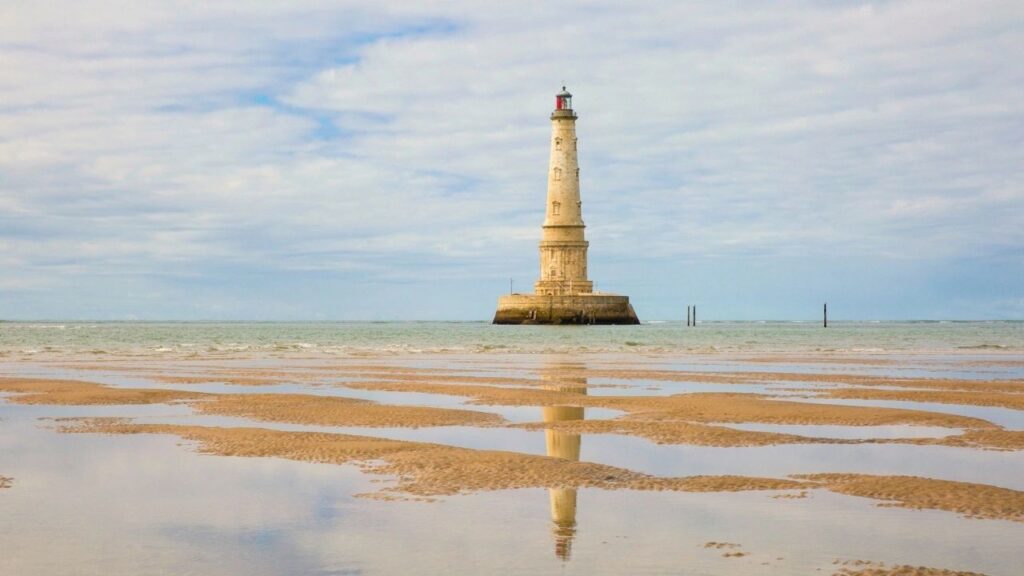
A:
{"x":566,"y":445}
{"x":563,"y":249}
{"x":564,"y":294}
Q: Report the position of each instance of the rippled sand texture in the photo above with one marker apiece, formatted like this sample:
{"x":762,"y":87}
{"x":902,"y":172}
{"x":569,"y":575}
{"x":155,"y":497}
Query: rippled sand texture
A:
{"x":644,"y":401}
{"x":867,"y":568}
{"x":429,"y":469}
{"x":683,"y":418}
{"x":434,"y":469}
{"x":437,"y":469}
{"x":293,"y":408}
{"x":729,"y":549}
{"x":972,"y":500}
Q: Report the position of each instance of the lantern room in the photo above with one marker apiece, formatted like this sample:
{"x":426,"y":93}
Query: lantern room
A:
{"x":563,"y":100}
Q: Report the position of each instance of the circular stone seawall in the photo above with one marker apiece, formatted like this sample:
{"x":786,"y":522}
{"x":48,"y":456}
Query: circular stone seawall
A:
{"x":575,"y":309}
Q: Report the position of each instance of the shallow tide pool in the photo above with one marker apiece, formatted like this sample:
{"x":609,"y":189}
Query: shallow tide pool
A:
{"x":149,"y":504}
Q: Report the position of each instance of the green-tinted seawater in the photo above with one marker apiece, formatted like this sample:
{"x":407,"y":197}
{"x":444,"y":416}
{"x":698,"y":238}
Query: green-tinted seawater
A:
{"x":157,"y":338}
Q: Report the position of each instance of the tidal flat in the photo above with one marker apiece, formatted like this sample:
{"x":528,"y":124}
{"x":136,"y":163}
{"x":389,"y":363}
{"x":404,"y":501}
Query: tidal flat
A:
{"x":569,"y":461}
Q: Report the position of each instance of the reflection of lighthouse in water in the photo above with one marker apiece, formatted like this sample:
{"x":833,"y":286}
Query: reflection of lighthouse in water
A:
{"x":565,"y":445}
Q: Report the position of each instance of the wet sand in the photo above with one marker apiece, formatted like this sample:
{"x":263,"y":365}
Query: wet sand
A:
{"x":867,"y":568}
{"x":80,"y":393}
{"x":273,"y":376}
{"x":688,"y":418}
{"x":694,"y":407}
{"x":291,"y":408}
{"x":235,"y":379}
{"x":424,"y":469}
{"x":668,"y":419}
{"x":1014,"y":401}
{"x":971,"y":500}
{"x":678,"y":419}
{"x":312,"y":393}
{"x":740,"y":377}
{"x":682,"y":432}
{"x":730,"y":550}
{"x":334,"y":411}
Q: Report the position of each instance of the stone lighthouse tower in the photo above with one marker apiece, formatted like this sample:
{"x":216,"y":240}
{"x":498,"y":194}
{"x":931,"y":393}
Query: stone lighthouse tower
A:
{"x":564,"y":294}
{"x":563,"y":250}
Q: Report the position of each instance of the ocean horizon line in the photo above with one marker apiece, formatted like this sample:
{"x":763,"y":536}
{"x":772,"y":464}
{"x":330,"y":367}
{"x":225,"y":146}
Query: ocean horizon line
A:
{"x":423,"y":321}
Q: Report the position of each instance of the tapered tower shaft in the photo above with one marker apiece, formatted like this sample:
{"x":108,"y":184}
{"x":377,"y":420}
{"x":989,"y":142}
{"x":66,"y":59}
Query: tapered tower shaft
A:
{"x":563,"y":444}
{"x":563,"y":248}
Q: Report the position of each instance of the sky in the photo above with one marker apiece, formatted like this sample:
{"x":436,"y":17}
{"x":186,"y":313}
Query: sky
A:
{"x":314,"y":160}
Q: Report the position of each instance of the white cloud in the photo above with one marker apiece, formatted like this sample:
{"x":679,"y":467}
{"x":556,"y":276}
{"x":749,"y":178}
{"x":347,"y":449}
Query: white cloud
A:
{"x":313,"y":136}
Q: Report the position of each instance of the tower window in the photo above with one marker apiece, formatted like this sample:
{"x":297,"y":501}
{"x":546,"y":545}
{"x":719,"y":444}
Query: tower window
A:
{"x":558,"y":143}
{"x":556,"y":208}
{"x":558,"y":173}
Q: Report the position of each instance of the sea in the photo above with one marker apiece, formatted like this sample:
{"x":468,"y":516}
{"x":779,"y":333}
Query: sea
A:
{"x":174,"y":339}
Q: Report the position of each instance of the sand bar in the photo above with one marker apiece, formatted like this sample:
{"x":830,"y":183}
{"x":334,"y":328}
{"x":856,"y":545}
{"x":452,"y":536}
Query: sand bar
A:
{"x":79,"y":393}
{"x":986,"y":439}
{"x":679,"y":419}
{"x":867,"y":568}
{"x":233,"y":379}
{"x":690,"y":418}
{"x":694,"y":407}
{"x":971,"y":385}
{"x":675,"y":432}
{"x":960,"y":397}
{"x":681,"y":433}
{"x":427,"y":469}
{"x":971,"y":500}
{"x":334,"y":411}
{"x":291,"y":408}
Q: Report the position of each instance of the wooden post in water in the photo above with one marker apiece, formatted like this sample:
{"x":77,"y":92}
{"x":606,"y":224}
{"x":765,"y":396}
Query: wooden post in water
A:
{"x":694,"y":314}
{"x":687,"y":315}
{"x":825,"y":315}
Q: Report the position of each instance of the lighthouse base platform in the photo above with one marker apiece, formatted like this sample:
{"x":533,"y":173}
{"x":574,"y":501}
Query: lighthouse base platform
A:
{"x":565,"y":309}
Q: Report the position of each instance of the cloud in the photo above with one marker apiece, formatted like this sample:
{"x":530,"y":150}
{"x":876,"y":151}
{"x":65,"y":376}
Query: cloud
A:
{"x":405,"y":141}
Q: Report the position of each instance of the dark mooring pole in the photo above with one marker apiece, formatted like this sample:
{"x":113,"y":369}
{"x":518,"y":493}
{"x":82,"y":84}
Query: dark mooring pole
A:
{"x":687,"y":315}
{"x":694,"y":314}
{"x":825,"y":316}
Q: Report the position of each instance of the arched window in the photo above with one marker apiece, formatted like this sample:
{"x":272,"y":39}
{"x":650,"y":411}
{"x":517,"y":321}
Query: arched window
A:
{"x":556,"y":208}
{"x":558,"y":173}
